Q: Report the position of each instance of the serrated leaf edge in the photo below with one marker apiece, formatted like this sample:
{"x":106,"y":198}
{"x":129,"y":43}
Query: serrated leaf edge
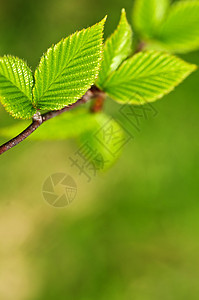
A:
{"x":193,"y":68}
{"x":55,"y":45}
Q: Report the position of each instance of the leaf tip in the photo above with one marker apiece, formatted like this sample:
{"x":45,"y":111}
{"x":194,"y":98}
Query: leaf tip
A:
{"x":194,"y":67}
{"x":123,"y":18}
{"x":103,"y":21}
{"x":191,"y":68}
{"x":123,"y":12}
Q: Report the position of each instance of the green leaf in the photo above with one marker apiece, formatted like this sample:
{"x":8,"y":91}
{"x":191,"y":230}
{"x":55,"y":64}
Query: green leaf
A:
{"x":147,"y":16}
{"x":16,"y":83}
{"x":100,"y":132}
{"x":102,"y":145}
{"x":67,"y":125}
{"x":180,"y":31}
{"x":146,"y":77}
{"x":116,"y":49}
{"x":68,"y":69}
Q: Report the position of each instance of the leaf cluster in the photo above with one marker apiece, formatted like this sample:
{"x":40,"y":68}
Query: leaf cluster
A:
{"x":68,"y":69}
{"x":172,"y":27}
{"x":65,"y":72}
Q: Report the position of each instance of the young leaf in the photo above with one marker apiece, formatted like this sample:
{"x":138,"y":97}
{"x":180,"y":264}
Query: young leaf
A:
{"x":147,"y":16}
{"x":116,"y":49}
{"x":68,"y":69}
{"x":180,"y":31}
{"x":146,"y":77}
{"x":16,"y":83}
{"x":102,"y":145}
{"x":65,"y":126}
{"x":100,"y":133}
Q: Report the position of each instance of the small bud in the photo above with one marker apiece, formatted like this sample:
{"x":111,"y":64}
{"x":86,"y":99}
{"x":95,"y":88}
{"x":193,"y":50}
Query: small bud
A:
{"x":37,"y":117}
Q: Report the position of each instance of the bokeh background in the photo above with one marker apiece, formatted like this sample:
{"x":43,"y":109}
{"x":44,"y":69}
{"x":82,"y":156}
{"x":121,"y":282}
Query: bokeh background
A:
{"x":133,"y":232}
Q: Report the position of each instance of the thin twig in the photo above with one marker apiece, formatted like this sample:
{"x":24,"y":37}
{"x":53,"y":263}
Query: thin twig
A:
{"x":39,"y":119}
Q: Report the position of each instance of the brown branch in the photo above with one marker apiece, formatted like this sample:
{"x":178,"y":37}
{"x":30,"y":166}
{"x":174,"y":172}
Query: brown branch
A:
{"x":99,"y":99}
{"x":39,"y":119}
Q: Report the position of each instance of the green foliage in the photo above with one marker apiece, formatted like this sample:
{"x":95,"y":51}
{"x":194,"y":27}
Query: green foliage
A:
{"x":68,"y":125}
{"x":84,"y":126}
{"x":103,"y":144}
{"x":148,"y":15}
{"x":146,"y":77}
{"x":16,"y":83}
{"x":65,"y":73}
{"x":116,"y":49}
{"x":68,"y":69}
{"x":180,"y":31}
{"x":87,"y":128}
{"x":177,"y":31}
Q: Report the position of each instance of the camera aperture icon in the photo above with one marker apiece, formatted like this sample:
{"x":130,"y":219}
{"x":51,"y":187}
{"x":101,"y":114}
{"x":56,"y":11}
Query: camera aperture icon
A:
{"x":59,"y":190}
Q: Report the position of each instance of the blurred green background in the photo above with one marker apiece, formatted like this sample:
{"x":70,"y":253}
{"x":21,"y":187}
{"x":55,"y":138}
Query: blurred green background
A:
{"x":133,"y":232}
